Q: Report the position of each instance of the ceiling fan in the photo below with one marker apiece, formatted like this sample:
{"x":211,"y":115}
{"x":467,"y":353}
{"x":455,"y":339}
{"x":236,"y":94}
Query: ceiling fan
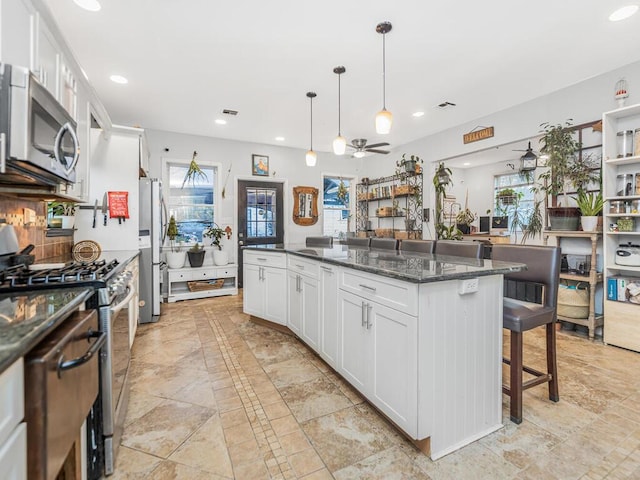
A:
{"x":361,"y":147}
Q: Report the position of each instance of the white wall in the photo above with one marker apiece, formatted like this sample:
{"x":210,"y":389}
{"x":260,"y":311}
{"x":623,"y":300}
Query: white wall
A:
{"x":285,"y":164}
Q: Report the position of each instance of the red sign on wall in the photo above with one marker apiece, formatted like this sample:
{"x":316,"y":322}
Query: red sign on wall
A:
{"x":118,"y":204}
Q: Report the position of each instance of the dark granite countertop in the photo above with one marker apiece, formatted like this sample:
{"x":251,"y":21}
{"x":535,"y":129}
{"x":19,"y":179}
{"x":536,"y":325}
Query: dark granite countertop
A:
{"x":408,"y":266}
{"x":26,"y":318}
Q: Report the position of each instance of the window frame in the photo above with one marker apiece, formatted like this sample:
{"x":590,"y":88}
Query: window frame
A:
{"x":527,"y":182}
{"x":166,"y":189}
{"x":353,"y":180}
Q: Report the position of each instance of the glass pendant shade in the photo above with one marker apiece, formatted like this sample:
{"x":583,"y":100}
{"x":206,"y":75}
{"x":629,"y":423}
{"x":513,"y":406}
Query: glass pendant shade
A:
{"x":384,"y":119}
{"x":311,"y":158}
{"x":339,"y":145}
{"x":359,"y":154}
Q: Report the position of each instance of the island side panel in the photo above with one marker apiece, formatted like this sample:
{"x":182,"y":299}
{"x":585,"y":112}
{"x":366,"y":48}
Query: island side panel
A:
{"x":459,"y":363}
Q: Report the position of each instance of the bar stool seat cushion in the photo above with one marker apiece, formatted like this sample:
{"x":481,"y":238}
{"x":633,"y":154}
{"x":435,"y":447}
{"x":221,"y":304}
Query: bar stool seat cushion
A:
{"x":522,"y":316}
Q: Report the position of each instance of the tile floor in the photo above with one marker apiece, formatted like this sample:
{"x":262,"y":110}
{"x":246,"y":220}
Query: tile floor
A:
{"x":215,"y":396}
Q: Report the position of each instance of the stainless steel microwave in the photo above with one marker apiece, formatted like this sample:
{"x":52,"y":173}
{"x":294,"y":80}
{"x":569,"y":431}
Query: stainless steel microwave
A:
{"x":38,"y":140}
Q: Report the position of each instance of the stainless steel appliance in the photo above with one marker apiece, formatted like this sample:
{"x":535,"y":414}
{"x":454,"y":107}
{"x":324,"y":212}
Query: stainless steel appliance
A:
{"x":61,"y":371}
{"x":153,"y":217}
{"x":38,"y":141}
{"x":113,"y":293}
{"x":628,"y":255}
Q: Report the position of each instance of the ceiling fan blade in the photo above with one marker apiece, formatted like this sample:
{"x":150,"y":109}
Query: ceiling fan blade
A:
{"x":373,"y":150}
{"x":383,"y":144}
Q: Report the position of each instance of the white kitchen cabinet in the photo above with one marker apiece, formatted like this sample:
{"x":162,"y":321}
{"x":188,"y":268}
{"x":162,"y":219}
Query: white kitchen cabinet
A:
{"x":303,"y":294}
{"x":67,"y":88}
{"x":13,"y":432}
{"x":378,"y":356}
{"x":179,"y":279}
{"x":265,"y":276}
{"x":17,"y":25}
{"x":47,"y":58}
{"x":329,"y":328}
{"x":622,"y":318}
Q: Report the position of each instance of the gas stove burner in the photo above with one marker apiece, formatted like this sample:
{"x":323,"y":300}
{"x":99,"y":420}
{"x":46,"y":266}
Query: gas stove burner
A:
{"x":21,"y":278}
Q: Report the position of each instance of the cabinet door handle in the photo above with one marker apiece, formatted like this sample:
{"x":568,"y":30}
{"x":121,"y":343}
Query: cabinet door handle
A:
{"x":301,"y":267}
{"x":326,"y":269}
{"x":261,"y":259}
{"x":364,"y":314}
{"x":297,"y":283}
{"x":369,"y":323}
{"x":373,"y":289}
{"x":260,"y":273}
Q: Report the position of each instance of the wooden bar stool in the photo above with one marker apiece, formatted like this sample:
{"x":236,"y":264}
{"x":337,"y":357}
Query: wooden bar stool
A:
{"x":543,"y":267}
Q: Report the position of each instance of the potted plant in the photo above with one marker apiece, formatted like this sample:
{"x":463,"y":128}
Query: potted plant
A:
{"x":441,"y":179}
{"x":65,"y":211}
{"x":563,"y":170}
{"x":409,"y":165}
{"x":194,"y":172}
{"x":216,"y":234}
{"x":506,"y":196}
{"x":590,"y":205}
{"x":465,"y":217}
{"x":196,"y":255}
{"x":343,"y":193}
{"x":175,"y":257}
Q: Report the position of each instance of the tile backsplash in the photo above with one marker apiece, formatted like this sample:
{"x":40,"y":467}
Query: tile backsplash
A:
{"x":12,"y":210}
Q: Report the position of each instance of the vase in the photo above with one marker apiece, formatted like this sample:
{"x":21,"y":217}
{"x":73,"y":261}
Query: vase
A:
{"x":66,"y":221}
{"x":196,"y":259}
{"x":589,"y":223}
{"x":220,"y":257}
{"x":563,"y":218}
{"x":175,"y":259}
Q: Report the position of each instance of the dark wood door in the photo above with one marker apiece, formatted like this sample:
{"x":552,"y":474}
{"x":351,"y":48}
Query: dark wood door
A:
{"x":260,"y":216}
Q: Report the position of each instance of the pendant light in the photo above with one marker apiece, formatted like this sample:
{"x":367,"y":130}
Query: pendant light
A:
{"x":339,"y":143}
{"x":384,"y":118}
{"x":311,"y":156}
{"x":528,"y":161}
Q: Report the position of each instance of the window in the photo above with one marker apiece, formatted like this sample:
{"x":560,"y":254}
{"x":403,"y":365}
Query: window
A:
{"x":192,"y":204}
{"x":261,"y":212}
{"x":336,"y":210}
{"x":523,"y":201}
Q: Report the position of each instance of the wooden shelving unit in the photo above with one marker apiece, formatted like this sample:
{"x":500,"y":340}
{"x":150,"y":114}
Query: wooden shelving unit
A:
{"x":593,"y":320}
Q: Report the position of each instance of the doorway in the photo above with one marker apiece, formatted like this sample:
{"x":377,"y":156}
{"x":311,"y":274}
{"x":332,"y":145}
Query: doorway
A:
{"x":260,"y":216}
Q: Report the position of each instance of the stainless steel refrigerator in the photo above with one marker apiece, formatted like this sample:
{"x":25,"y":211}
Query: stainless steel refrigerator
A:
{"x":151,"y":236}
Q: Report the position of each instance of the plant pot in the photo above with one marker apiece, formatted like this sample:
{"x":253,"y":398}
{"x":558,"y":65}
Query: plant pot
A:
{"x":464,"y":228}
{"x":220,"y":257}
{"x":510,"y":200}
{"x":175,"y":259}
{"x":589,"y":224}
{"x":196,"y":259}
{"x":563,"y":218}
{"x":410,"y":166}
{"x":66,"y":221}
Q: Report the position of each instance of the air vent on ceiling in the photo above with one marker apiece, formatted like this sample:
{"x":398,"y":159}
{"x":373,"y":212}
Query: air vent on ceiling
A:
{"x":446,"y":104}
{"x":226,"y":111}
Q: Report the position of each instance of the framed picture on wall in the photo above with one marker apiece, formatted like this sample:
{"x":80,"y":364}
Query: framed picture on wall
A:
{"x":260,"y":165}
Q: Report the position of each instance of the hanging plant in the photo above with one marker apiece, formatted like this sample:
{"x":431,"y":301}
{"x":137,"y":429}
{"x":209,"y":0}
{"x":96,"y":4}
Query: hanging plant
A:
{"x":194,"y":172}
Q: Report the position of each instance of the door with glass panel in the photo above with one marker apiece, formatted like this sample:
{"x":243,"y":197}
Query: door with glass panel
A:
{"x":260,"y":216}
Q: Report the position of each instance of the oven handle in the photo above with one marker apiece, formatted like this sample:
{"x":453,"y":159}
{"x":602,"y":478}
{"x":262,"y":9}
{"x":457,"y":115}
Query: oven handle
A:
{"x":115,"y":310}
{"x":101,"y":339}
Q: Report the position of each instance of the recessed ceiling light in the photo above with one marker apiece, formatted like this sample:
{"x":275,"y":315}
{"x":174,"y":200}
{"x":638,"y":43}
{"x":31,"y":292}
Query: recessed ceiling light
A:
{"x":622,"y":13}
{"x":466,"y":164}
{"x":91,"y":5}
{"x":279,"y":139}
{"x":119,"y":79}
{"x":220,"y":121}
{"x":417,"y":114}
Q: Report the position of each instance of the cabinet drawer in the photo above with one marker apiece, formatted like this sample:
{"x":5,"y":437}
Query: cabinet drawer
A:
{"x":393,"y":293}
{"x":265,"y":259}
{"x":13,"y":455}
{"x":186,"y":275}
{"x":11,"y":398}
{"x":622,"y":325}
{"x":302,"y":265}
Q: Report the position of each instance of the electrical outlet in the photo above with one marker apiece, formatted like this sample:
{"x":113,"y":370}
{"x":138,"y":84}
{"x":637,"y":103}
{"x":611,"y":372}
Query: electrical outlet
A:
{"x":469,"y":285}
{"x":29,"y":216}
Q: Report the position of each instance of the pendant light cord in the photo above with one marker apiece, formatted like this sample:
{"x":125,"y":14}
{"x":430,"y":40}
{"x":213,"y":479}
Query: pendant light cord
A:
{"x":311,"y":132}
{"x":384,"y":73}
{"x":339,"y":75}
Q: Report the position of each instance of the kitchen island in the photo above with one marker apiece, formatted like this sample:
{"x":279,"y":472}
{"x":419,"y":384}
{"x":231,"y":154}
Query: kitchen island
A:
{"x":419,"y":335}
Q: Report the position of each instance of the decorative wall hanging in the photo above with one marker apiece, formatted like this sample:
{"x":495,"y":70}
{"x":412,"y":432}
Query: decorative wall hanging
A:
{"x":260,"y":165}
{"x":305,"y":205}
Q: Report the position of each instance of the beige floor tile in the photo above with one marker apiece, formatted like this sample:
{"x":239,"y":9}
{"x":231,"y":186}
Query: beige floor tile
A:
{"x":245,"y":452}
{"x":305,"y":462}
{"x":344,"y":438}
{"x":251,"y":471}
{"x":168,"y":470}
{"x":284,"y":425}
{"x":276,"y":410}
{"x":140,"y":404}
{"x":133,"y":465}
{"x":293,"y":371}
{"x":234,"y":417}
{"x":294,"y":442}
{"x":205,"y":450}
{"x":388,"y":464}
{"x":165,"y":427}
{"x":238,"y":433}
{"x":323,"y":474}
{"x":314,"y":398}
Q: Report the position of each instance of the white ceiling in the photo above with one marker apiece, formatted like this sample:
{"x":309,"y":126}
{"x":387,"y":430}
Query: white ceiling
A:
{"x":188,"y":60}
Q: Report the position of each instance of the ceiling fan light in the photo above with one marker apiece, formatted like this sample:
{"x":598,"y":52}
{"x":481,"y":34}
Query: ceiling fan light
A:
{"x":311,"y":157}
{"x":358,"y":154}
{"x":339,"y":145}
{"x":384,"y":119}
